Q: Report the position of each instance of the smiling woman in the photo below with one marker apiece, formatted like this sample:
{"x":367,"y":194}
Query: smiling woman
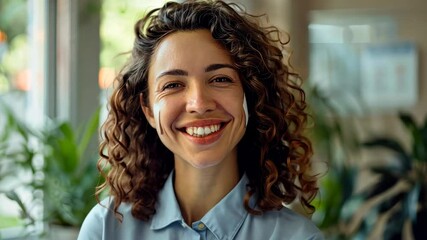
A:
{"x":204,"y":135}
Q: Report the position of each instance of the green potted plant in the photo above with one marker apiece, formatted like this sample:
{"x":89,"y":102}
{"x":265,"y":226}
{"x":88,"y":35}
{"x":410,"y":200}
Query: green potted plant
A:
{"x":70,"y":173}
{"x":17,"y":155}
{"x":67,"y":174}
{"x":332,"y":147}
{"x":395,"y":206}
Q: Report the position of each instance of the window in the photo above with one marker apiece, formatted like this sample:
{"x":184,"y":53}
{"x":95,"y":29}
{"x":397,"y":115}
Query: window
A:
{"x":56,"y":57}
{"x":22,"y":81}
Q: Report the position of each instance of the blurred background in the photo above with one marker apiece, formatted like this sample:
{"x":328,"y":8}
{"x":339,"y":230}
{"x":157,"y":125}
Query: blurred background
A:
{"x":366,"y":82}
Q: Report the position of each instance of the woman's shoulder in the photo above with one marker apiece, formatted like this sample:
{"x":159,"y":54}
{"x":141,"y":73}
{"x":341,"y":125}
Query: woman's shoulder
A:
{"x":287,"y":214}
{"x":286,"y":224}
{"x":102,"y":221}
{"x":104,"y":210}
{"x":103,"y":207}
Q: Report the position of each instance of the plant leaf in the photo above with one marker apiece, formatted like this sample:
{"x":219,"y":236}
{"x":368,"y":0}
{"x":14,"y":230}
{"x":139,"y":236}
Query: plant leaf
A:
{"x":90,"y":129}
{"x":407,"y":120}
{"x":410,"y":202}
{"x":332,"y":198}
{"x":389,"y":171}
{"x":404,"y":158}
{"x":61,"y":152}
{"x":12,"y":195}
{"x":418,"y":144}
{"x":394,"y":227}
{"x":384,"y":183}
{"x":385,"y":143}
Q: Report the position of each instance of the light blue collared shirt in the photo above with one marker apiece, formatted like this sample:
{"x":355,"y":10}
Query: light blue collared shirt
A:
{"x":226,"y":220}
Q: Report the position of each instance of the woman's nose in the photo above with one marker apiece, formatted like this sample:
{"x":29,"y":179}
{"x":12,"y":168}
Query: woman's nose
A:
{"x":199,"y":100}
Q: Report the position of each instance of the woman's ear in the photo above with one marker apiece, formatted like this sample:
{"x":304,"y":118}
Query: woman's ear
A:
{"x":148,"y":112}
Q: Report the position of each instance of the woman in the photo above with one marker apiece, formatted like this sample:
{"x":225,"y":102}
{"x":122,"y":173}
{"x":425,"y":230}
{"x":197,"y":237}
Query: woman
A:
{"x":204,"y":134}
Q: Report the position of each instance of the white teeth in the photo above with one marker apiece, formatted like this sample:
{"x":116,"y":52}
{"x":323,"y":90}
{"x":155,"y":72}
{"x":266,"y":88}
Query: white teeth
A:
{"x":189,"y":130}
{"x":207,"y":130}
{"x":202,"y":131}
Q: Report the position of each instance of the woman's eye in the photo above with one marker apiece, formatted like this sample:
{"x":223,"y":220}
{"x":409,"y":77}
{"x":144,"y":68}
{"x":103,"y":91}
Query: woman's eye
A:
{"x":173,"y":85}
{"x":222,"y":80}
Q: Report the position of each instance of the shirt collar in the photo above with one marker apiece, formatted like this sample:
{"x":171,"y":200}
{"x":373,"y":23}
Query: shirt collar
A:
{"x":167,"y":209}
{"x":223,"y":220}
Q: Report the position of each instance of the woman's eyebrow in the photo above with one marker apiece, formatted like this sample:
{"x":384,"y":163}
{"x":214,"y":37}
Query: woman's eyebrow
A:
{"x":180,"y":72}
{"x":173,"y":72}
{"x":217,"y":66}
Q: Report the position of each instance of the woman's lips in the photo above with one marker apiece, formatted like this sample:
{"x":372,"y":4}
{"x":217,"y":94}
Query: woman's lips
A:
{"x":204,"y":135}
{"x":203,"y":131}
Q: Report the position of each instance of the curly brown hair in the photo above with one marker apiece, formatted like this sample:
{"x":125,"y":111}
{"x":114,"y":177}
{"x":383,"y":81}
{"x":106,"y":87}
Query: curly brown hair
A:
{"x":273,"y":153}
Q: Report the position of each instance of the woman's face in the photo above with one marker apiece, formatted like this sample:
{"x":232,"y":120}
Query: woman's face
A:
{"x":196,"y":99}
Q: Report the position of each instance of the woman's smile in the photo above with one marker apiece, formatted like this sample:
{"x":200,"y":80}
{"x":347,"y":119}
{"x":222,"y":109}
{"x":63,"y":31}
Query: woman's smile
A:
{"x":204,"y":132}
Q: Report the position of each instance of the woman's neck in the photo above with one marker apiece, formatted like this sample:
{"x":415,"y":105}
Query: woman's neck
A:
{"x":199,"y":190}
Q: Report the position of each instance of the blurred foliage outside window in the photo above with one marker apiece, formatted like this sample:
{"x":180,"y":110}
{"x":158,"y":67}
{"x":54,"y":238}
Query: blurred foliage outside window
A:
{"x":13,"y":79}
{"x":117,"y":34}
{"x":116,"y":30}
{"x":13,"y":45}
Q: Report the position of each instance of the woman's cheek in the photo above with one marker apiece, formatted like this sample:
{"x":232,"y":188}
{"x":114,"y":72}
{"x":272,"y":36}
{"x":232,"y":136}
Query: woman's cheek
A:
{"x":157,"y":109}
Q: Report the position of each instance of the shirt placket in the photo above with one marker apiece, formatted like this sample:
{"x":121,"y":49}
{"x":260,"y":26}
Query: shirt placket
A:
{"x":201,"y":228}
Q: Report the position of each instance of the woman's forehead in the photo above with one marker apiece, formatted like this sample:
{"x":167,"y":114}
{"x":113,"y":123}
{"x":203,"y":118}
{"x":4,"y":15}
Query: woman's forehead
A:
{"x":188,"y":50}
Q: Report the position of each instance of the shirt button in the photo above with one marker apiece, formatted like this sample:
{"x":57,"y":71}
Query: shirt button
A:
{"x":201,"y":226}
